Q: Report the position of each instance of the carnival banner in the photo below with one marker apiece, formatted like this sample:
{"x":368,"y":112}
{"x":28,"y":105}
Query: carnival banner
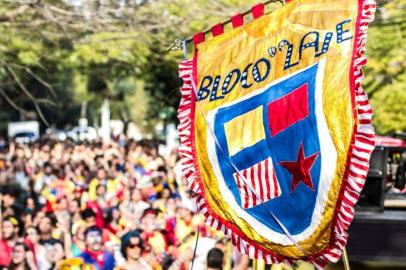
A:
{"x":276,"y":130}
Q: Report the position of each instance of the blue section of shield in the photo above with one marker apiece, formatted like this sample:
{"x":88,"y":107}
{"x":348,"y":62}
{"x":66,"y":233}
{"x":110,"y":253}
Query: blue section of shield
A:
{"x":294,"y":209}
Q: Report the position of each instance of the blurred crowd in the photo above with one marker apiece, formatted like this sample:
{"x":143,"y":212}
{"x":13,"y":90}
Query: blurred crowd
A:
{"x":102,"y":206}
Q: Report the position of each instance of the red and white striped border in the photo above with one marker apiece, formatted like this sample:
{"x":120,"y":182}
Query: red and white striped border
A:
{"x":362,"y":145}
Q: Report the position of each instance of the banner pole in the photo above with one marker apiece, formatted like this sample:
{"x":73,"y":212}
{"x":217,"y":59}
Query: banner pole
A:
{"x":345,"y":260}
{"x":176,"y":45}
{"x":225,"y":22}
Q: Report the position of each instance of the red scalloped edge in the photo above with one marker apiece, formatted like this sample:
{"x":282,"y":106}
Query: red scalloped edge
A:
{"x":362,"y":143}
{"x":361,"y":147}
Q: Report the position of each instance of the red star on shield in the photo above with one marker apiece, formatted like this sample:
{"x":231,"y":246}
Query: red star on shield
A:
{"x":300,"y":169}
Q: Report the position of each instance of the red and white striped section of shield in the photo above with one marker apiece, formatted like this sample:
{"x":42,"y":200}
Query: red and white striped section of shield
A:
{"x":260,"y":177}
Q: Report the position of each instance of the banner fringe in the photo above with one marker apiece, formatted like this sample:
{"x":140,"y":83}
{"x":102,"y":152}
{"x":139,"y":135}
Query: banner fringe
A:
{"x":362,"y":145}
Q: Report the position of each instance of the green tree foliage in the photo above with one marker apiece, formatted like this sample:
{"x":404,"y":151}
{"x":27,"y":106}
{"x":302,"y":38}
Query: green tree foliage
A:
{"x":390,"y":106}
{"x":385,"y":80}
{"x":60,"y":56}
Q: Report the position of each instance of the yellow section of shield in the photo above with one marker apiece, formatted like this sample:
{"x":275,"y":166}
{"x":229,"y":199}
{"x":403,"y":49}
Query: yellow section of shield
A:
{"x":244,"y":131}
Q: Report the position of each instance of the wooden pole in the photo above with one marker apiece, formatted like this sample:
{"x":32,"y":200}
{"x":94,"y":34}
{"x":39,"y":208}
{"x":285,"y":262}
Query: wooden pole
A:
{"x":345,"y":260}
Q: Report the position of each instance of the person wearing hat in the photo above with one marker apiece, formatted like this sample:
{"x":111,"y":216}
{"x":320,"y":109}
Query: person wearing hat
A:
{"x":132,"y":247}
{"x":94,"y":253}
{"x":152,"y":226}
{"x":78,"y":237}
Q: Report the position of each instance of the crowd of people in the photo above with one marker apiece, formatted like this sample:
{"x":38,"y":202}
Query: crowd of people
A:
{"x":102,"y":206}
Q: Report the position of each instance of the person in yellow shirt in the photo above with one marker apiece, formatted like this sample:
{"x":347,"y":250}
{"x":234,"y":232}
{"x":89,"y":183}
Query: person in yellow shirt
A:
{"x":74,"y":264}
{"x":300,"y":265}
{"x":186,"y":222}
{"x":102,"y":179}
{"x":151,"y":226}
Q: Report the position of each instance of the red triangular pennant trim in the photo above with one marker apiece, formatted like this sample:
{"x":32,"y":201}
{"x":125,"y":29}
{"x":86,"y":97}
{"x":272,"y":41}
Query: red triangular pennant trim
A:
{"x":257,"y":11}
{"x":237,"y":20}
{"x":217,"y":29}
{"x":198,"y":38}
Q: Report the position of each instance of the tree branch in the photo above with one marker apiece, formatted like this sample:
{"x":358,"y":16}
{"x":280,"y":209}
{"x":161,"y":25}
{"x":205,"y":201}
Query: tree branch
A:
{"x":28,"y":94}
{"x":11,"y":102}
{"x":36,"y":77}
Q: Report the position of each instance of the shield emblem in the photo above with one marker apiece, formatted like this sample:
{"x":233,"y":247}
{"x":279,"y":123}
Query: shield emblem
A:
{"x":275,"y":128}
{"x":270,"y":151}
